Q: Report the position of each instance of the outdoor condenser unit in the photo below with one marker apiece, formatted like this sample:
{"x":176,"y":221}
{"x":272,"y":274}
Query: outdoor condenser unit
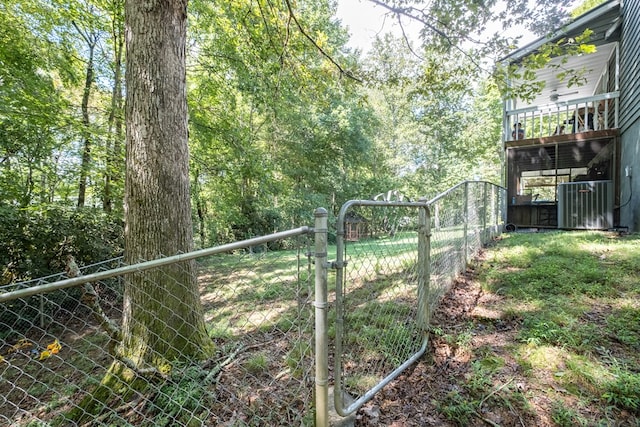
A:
{"x":585,"y":205}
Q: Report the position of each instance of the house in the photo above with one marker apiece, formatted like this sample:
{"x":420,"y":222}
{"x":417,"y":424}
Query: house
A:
{"x":572,"y":153}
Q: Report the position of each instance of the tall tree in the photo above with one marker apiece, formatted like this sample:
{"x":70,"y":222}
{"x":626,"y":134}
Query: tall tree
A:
{"x":163,"y":317}
{"x":32,"y":111}
{"x":438,"y":134}
{"x":91,"y":38}
{"x":275,"y":131}
{"x":113,"y":177}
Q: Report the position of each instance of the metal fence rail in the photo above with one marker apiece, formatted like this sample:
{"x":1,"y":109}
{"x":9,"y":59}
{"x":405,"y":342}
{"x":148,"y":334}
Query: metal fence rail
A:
{"x":46,"y":308}
{"x":395,"y":260}
{"x":257,"y":296}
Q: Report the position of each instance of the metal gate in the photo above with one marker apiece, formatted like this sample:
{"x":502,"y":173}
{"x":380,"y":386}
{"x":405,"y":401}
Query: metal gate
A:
{"x":395,"y":259}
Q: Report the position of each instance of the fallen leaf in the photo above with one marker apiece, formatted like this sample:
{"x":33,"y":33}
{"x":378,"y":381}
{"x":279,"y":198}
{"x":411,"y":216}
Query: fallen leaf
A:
{"x":54,"y":347}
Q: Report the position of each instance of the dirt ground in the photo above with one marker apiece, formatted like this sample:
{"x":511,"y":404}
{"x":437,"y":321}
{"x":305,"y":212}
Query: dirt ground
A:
{"x":415,"y":397}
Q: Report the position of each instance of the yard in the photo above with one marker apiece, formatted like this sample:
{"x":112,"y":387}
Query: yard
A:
{"x":543,"y":329}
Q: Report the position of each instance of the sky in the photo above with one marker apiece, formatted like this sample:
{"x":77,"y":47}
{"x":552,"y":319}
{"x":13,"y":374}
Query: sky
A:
{"x":366,"y":20}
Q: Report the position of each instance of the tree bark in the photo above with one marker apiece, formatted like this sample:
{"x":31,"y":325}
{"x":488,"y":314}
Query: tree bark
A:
{"x":163,"y":317}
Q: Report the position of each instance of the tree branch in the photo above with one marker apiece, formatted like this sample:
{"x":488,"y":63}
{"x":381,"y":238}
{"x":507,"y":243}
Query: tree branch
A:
{"x":408,"y":12}
{"x":406,"y":39}
{"x":90,"y":298}
{"x":322,"y":51}
{"x":150,"y":372}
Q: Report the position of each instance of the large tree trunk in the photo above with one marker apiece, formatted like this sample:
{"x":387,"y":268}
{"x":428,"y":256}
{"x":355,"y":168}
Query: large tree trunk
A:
{"x":163,"y":317}
{"x":163,"y":320}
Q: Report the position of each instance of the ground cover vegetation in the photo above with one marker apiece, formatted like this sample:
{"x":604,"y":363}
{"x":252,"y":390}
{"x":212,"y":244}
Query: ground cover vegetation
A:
{"x":257,"y":310}
{"x":541,"y":330}
{"x":257,"y":313}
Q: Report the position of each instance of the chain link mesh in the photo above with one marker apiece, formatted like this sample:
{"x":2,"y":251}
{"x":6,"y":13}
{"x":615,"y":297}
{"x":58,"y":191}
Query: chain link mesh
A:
{"x":379,"y":301}
{"x":258,"y":310}
{"x":381,"y":323}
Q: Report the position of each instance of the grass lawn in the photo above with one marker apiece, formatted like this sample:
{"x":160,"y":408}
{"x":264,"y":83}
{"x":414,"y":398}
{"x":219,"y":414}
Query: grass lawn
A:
{"x":575,"y":298}
{"x":542,"y":330}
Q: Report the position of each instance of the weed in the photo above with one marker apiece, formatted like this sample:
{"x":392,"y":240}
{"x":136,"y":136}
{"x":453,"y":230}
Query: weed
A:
{"x":624,"y":324}
{"x":183,"y":399}
{"x":438,"y":332}
{"x":478,"y":381}
{"x":285,"y":323}
{"x":397,"y":343}
{"x":296,"y":356}
{"x":457,"y":409}
{"x":38,"y":389}
{"x":463,"y":339}
{"x":490,"y":363}
{"x":220,"y":332}
{"x":361,"y":383}
{"x":256,"y":364}
{"x":623,"y":391}
{"x":564,"y":416}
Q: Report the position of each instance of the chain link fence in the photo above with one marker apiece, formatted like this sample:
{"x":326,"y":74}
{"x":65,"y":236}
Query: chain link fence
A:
{"x":395,"y":261}
{"x":263,"y":299}
{"x":257,"y":297}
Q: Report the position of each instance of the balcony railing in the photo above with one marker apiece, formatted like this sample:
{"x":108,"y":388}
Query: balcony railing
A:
{"x":596,"y":112}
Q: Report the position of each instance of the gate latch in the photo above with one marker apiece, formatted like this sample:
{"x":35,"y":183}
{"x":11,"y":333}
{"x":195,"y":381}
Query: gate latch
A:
{"x":335,"y":264}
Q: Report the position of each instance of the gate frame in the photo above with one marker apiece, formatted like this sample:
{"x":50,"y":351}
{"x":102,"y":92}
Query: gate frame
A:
{"x":497,"y":214}
{"x":424,"y":234}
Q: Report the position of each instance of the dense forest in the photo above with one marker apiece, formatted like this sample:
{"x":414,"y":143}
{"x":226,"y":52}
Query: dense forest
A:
{"x":283,"y":118}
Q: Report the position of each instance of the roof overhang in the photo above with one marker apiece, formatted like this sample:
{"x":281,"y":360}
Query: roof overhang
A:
{"x":593,"y":66}
{"x":605,"y":22}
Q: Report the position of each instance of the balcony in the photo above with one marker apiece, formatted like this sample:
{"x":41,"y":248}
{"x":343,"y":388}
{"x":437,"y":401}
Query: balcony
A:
{"x":557,"y":121}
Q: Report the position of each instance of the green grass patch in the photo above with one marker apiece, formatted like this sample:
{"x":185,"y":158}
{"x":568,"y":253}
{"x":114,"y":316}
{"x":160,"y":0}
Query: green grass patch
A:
{"x":256,"y":364}
{"x":565,"y":416}
{"x":574,"y":296}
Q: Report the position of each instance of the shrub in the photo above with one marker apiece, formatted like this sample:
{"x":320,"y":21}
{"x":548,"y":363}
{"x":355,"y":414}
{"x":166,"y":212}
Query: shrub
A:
{"x":34,"y":242}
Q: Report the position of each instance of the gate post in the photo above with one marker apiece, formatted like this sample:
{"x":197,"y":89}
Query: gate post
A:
{"x":485,"y":210}
{"x":424,"y":267}
{"x":465,"y":251}
{"x":322,"y":347}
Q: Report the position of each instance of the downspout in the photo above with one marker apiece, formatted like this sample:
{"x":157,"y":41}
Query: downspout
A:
{"x":617,"y":80}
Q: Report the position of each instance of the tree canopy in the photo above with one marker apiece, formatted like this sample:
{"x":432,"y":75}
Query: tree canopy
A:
{"x":283,"y":116}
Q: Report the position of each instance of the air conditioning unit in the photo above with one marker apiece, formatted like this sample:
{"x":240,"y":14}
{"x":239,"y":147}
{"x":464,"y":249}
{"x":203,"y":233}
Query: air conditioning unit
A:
{"x":585,"y":205}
